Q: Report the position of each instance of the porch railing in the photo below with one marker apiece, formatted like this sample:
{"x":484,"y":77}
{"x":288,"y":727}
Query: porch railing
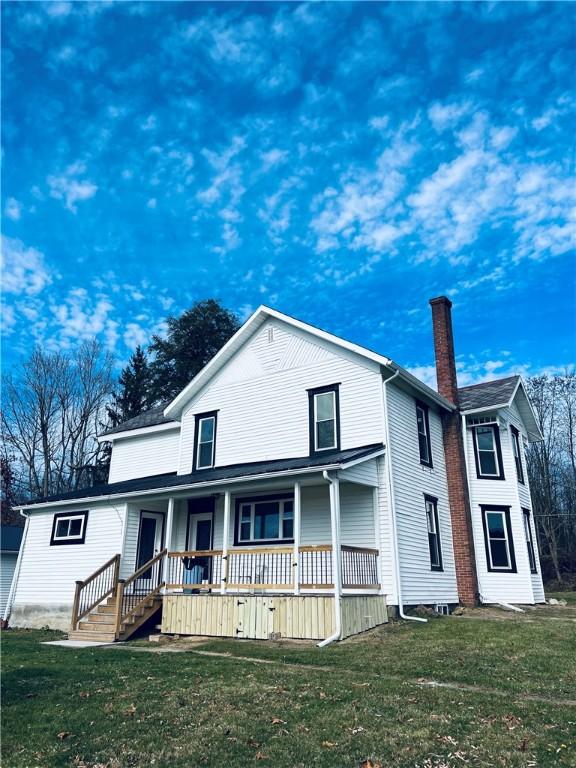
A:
{"x":132,"y":593}
{"x":270,"y":568}
{"x":96,"y":588}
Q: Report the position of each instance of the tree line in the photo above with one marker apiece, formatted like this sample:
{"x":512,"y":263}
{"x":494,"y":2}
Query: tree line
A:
{"x":55,"y":407}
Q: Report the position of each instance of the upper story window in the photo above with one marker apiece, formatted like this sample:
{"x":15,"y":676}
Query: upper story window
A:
{"x":69,"y":528}
{"x":487,"y":452}
{"x":498,"y":539}
{"x":423,"y":424}
{"x":517,"y":453}
{"x":529,"y":540}
{"x":205,"y":440}
{"x":324,"y":418}
{"x":265,"y":519}
{"x":433,"y":533}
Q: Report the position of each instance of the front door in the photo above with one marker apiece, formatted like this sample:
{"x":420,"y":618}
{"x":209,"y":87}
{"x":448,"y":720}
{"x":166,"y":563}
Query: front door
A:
{"x":200,"y":537}
{"x":149,"y":544}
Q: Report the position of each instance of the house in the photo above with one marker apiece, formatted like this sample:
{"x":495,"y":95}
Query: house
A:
{"x":300,"y":486}
{"x":10,"y":538}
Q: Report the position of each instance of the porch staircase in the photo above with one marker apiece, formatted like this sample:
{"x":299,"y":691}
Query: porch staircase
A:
{"x":108,"y":609}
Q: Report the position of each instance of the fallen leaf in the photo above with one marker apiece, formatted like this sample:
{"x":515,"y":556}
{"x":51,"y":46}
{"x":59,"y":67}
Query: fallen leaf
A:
{"x":130,"y":710}
{"x":260,"y":756}
{"x":84,"y":694}
{"x":370,"y":764}
{"x":358,"y":729}
{"x":63,"y":735}
{"x":253,"y":743}
{"x":278,"y":721}
{"x":329,"y":744}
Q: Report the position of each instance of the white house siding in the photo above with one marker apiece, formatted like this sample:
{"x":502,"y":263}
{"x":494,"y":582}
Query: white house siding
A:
{"x":7,"y":566}
{"x":525,"y":501}
{"x":46,"y":582}
{"x":411,"y":482}
{"x":494,"y":586}
{"x":144,"y":455}
{"x":262,"y":400}
{"x":130,"y":549}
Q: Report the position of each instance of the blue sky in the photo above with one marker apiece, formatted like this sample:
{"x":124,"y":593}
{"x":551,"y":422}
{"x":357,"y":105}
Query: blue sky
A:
{"x":340,"y":162}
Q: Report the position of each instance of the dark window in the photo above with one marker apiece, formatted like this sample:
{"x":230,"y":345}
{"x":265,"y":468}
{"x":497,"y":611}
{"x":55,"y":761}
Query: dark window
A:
{"x":69,"y":528}
{"x":529,"y":540}
{"x":498,"y":539}
{"x":265,"y":519}
{"x":517,"y":454}
{"x":324,"y":418}
{"x":487,"y":452}
{"x":205,"y":440}
{"x":433,"y":533}
{"x":423,"y":425}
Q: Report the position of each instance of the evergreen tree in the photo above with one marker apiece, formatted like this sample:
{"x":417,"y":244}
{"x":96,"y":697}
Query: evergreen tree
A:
{"x":192,"y":341}
{"x":133,"y":395}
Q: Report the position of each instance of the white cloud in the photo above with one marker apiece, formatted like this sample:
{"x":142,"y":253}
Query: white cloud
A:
{"x":13,"y":209}
{"x":71,"y":187}
{"x":24,"y":270}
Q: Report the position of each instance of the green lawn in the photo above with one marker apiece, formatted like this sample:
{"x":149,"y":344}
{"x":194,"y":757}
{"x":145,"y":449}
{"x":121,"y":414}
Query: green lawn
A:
{"x":510,"y":700}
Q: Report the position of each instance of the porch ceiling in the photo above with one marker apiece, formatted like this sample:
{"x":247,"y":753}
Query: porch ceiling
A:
{"x":163,"y":484}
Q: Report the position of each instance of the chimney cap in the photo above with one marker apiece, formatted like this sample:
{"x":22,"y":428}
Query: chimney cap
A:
{"x":441,"y":300}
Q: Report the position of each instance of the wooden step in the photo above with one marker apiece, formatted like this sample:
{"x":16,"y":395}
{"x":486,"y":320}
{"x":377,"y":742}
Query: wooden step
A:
{"x":104,"y":637}
{"x":90,"y":626}
{"x":102,"y":618}
{"x":107,"y":609}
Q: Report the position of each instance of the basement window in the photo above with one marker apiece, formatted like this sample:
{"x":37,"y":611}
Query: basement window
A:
{"x":488,"y":453}
{"x":498,"y":539}
{"x":69,"y":528}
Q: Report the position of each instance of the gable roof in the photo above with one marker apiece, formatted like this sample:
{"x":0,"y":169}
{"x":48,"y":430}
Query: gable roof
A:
{"x":218,"y":475}
{"x":11,"y":536}
{"x":491,"y":395}
{"x":150,"y":418}
{"x":174,"y":409}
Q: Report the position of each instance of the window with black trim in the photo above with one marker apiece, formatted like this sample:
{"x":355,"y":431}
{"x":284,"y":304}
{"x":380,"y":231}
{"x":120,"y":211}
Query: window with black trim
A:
{"x":423,"y":425}
{"x":529,"y":540}
{"x":488,"y":453}
{"x":434,"y":544}
{"x":517,"y":453}
{"x":265,"y":519}
{"x":205,"y":440}
{"x":498,"y":539}
{"x":69,"y":528}
{"x":324,"y":418}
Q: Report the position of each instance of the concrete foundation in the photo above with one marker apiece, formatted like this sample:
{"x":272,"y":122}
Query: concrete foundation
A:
{"x":35,"y":616}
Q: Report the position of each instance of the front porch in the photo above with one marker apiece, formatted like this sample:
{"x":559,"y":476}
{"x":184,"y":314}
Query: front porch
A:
{"x":266,"y":559}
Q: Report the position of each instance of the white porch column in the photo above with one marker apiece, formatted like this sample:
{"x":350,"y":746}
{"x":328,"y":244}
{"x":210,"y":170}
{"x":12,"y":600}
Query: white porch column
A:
{"x":297,"y":518}
{"x":225,"y":534}
{"x":168,"y":538}
{"x":334,"y":490}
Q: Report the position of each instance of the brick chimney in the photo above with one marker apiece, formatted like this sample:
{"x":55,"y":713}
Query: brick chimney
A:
{"x":458,"y":494}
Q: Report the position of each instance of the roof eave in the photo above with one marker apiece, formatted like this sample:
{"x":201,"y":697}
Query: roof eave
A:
{"x":109,"y":437}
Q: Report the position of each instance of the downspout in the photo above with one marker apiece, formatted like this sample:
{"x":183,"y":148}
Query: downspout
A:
{"x":16,"y":575}
{"x":335,"y":521}
{"x":392,"y":505}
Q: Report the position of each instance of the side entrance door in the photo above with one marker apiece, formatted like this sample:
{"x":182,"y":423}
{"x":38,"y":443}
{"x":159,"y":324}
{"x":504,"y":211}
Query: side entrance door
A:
{"x":150,"y":539}
{"x":200,"y":537}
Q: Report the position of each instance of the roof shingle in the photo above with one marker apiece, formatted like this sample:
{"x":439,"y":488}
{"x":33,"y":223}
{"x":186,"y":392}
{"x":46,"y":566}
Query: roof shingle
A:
{"x":488,"y":393}
{"x":149,"y":418}
{"x":229,"y":472}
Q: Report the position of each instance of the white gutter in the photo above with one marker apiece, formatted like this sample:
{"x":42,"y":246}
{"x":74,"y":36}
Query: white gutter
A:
{"x":152,"y":430}
{"x":392,"y":506}
{"x":16,"y":575}
{"x":335,"y":521}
